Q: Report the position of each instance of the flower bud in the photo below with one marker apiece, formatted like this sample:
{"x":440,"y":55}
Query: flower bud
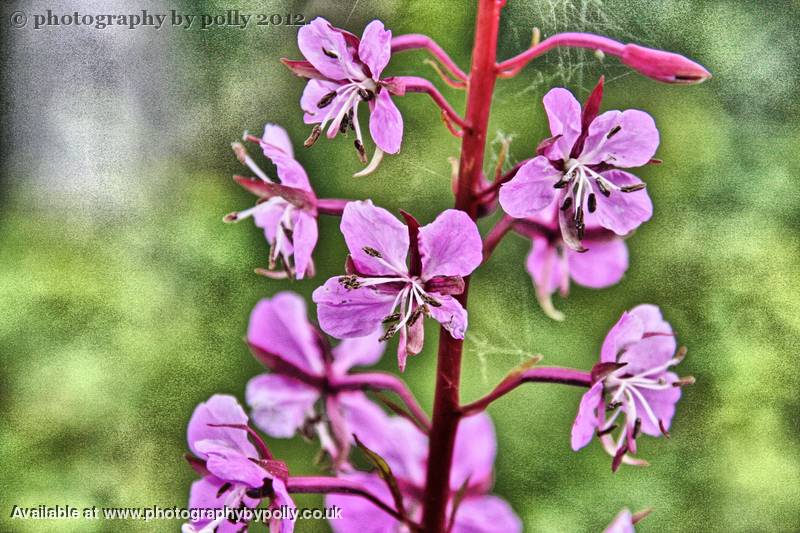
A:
{"x":663,"y":66}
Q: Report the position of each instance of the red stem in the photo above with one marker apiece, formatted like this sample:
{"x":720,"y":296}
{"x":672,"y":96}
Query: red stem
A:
{"x":414,"y":84}
{"x":414,"y":41}
{"x":334,"y":485}
{"x":565,"y":376}
{"x":512,"y":66}
{"x":446,"y":405}
{"x":503,"y":226}
{"x":381,"y":381}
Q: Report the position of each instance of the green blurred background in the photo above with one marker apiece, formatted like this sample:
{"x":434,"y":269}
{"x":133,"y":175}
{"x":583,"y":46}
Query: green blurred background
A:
{"x":125,"y":299}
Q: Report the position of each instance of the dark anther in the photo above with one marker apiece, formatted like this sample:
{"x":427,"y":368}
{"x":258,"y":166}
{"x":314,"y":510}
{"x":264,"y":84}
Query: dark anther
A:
{"x":344,"y":124}
{"x":579,"y":214}
{"x":603,"y":189}
{"x":592,"y":203}
{"x":612,"y":406}
{"x":560,"y":184}
{"x":575,"y":187}
{"x":372,"y":252}
{"x":388,"y":335}
{"x":663,"y":429}
{"x":332,"y":55}
{"x":366,"y":95}
{"x":632,"y":188}
{"x":580,"y":227}
{"x":394,"y":317}
{"x":606,"y":431}
{"x":350,"y":282}
{"x":637,"y":428}
{"x":613,"y":131}
{"x":223,"y":488}
{"x":431,"y":301}
{"x":362,"y":154}
{"x":567,"y":203}
{"x":415,"y":314}
{"x":315,"y":132}
{"x":326,"y":100}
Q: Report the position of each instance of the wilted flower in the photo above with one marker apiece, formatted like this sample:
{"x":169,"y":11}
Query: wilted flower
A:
{"x":234,"y":472}
{"x":632,"y":382}
{"x":344,"y":71}
{"x":552,"y":264}
{"x":578,"y":168}
{"x":304,"y":370}
{"x":287,"y":211}
{"x":397,"y":274}
{"x":405,"y":450}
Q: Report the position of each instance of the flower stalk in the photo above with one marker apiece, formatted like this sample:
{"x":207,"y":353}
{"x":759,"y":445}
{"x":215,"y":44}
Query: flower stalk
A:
{"x":446,"y":406}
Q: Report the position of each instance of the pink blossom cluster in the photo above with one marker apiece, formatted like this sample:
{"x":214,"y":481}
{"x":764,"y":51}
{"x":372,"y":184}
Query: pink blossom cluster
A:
{"x":386,"y":463}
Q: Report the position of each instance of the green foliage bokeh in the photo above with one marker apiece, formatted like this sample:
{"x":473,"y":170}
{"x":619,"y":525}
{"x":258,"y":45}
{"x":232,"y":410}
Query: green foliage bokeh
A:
{"x":115,"y":325}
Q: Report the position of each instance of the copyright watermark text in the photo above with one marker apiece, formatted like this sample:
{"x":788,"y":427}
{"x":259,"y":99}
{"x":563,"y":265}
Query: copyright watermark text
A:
{"x":230,"y":18}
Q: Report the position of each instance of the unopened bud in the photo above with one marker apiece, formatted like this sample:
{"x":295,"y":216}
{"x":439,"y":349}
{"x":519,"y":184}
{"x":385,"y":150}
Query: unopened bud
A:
{"x":663,"y":66}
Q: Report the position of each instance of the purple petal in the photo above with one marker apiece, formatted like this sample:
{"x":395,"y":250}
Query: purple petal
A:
{"x":279,"y":404}
{"x":626,"y":331}
{"x":662,"y":403}
{"x":546,"y":267}
{"x":358,"y":351}
{"x":531,"y":190}
{"x":345,"y":313}
{"x":396,"y":439}
{"x":622,"y":212}
{"x":205,"y":494}
{"x":282,"y":501}
{"x":486,"y":514}
{"x":632,"y":145}
{"x":278,"y":148}
{"x":601,"y":266}
{"x":269,"y":218}
{"x":564,"y":114}
{"x":651,"y":318}
{"x":474,"y":453}
{"x":586,"y":421}
{"x":358,"y":513}
{"x":450,"y":245}
{"x":318,"y":37}
{"x":648,"y":353}
{"x":277,"y":138}
{"x":304,"y":239}
{"x":219,"y":409}
{"x":280,"y":326}
{"x":385,"y":123}
{"x":375,"y":48}
{"x":231,"y":465}
{"x":314,"y":92}
{"x":623,"y":523}
{"x":367,"y":226}
{"x":451,"y":315}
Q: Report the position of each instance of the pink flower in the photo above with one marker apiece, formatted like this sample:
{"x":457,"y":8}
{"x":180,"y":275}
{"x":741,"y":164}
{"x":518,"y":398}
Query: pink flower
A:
{"x":287,"y":211}
{"x":345,"y":71}
{"x":623,"y":523}
{"x":234,"y":473}
{"x":381,"y":287}
{"x":552,"y":264}
{"x":578,"y":168}
{"x":405,"y":448}
{"x":632,"y":381}
{"x":304,"y":370}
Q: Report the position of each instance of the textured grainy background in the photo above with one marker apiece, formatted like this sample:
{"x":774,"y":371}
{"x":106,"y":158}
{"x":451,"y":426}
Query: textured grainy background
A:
{"x":124,"y":299}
